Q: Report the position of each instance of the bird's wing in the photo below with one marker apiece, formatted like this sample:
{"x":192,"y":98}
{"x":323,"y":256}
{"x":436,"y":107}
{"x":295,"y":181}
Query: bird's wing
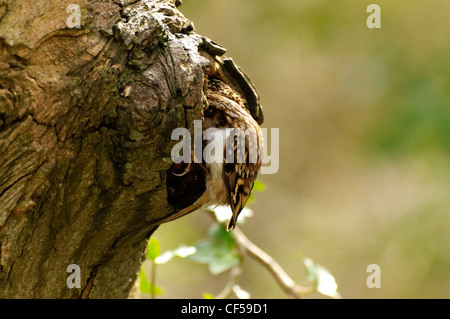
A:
{"x":238,"y":179}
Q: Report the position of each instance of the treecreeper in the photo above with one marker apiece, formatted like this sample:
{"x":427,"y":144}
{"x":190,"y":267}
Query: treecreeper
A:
{"x":231,"y":118}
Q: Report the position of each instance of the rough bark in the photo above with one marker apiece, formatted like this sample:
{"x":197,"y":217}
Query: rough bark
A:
{"x":86,"y":116}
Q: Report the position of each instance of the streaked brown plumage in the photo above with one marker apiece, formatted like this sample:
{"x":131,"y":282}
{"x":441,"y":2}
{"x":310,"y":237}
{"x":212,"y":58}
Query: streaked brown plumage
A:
{"x":230,"y":182}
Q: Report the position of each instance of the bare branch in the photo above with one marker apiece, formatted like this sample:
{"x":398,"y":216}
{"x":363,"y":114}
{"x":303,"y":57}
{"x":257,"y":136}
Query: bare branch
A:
{"x":246,"y":246}
{"x":291,"y":288}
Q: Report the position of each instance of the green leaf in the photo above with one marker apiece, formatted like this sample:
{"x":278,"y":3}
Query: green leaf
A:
{"x":146,"y":287}
{"x":223,"y":262}
{"x":259,"y":186}
{"x":250,"y":199}
{"x":321,"y":278}
{"x":219,"y":234}
{"x":153,"y":249}
{"x":217,"y":250}
{"x":205,"y":251}
{"x":144,"y":284}
{"x":219,"y":257}
{"x":207,"y":295}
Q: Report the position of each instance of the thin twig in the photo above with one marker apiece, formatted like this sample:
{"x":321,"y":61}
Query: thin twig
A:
{"x":291,"y":288}
{"x":228,"y":289}
{"x":153,"y":279}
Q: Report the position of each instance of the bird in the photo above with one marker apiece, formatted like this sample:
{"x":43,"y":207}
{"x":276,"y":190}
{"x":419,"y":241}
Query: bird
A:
{"x":229,"y":181}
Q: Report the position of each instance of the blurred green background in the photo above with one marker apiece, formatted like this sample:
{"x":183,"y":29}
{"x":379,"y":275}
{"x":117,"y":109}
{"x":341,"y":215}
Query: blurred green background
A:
{"x":364,"y":118}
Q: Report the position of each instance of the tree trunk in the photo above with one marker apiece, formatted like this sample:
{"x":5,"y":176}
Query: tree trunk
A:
{"x":86,"y":115}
